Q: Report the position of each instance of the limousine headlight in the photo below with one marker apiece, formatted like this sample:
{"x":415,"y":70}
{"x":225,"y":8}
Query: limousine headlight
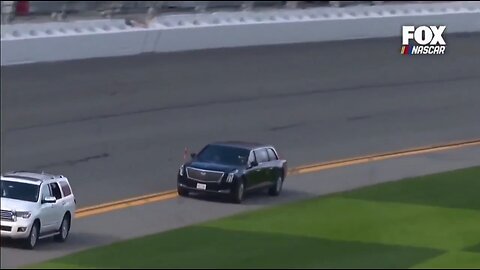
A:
{"x":231,"y":176}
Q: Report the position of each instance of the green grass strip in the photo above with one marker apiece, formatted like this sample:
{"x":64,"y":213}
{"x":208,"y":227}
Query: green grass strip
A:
{"x":430,"y":221}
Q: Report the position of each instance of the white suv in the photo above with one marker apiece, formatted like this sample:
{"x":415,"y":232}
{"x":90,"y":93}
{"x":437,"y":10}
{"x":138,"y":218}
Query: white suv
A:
{"x":36,"y":206}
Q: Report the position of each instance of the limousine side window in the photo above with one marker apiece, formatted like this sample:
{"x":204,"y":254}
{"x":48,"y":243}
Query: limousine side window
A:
{"x":262,"y":155}
{"x":271,"y":154}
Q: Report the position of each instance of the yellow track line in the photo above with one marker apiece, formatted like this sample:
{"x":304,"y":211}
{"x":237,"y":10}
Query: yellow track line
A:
{"x":377,"y":157}
{"x":155,"y":197}
{"x":136,"y":201}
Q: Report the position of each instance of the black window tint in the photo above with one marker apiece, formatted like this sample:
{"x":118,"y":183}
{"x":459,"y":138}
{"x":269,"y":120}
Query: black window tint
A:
{"x":271,"y":154}
{"x":19,"y":191}
{"x":223,"y":155}
{"x":262,"y":155}
{"x":65,"y":188}
{"x":56,"y":191}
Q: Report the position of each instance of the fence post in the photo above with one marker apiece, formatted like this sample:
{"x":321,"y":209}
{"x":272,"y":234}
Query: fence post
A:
{"x":8,"y":11}
{"x":22,"y":8}
{"x":247,"y":5}
{"x":291,"y":4}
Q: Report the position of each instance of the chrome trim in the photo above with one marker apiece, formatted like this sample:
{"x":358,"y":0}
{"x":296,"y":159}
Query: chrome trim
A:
{"x":7,"y":215}
{"x":230,"y":177}
{"x":202,"y":170}
{"x":265,"y":148}
{"x":223,"y":191}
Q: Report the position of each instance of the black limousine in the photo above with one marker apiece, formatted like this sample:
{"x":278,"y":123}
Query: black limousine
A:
{"x":233,"y":169}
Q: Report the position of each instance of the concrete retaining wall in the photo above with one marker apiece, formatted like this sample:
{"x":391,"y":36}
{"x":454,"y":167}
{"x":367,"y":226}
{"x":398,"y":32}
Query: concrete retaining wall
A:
{"x":29,"y":43}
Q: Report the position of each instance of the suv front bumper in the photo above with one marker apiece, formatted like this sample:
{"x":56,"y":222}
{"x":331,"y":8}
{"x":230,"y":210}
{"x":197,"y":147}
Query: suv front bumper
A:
{"x":13,"y":229}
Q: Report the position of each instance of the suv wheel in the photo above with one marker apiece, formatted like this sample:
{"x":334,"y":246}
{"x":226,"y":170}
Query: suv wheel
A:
{"x":277,"y":188}
{"x":32,"y":239}
{"x":239,"y":193}
{"x":64,"y":229}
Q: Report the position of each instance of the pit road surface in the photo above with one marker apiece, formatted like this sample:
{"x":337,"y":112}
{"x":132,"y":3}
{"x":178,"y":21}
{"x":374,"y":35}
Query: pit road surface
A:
{"x":117,"y":128}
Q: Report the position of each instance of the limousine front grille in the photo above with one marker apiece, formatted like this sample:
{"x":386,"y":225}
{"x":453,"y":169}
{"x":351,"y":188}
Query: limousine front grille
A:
{"x":204,"y":175}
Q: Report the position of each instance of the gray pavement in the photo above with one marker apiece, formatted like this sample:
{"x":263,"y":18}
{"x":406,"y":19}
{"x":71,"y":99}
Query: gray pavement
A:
{"x":178,"y":212}
{"x":117,"y":127}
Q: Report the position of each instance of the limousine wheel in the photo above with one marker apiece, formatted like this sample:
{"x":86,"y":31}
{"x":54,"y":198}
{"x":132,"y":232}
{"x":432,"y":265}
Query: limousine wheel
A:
{"x":239,"y":193}
{"x":277,"y":188}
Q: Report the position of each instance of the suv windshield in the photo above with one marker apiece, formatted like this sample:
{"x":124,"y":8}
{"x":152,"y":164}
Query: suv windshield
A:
{"x":224,"y":155}
{"x":19,"y":191}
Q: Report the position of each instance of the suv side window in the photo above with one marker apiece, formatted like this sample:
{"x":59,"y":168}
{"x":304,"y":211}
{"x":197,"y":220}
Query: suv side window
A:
{"x":56,"y":190}
{"x":271,"y":154}
{"x":262,"y":155}
{"x":65,"y":188}
{"x":45,"y":192}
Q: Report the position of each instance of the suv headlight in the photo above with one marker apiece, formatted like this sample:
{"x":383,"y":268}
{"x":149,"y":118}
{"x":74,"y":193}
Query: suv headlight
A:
{"x":23,"y":214}
{"x":181,"y":171}
{"x":231,"y":176}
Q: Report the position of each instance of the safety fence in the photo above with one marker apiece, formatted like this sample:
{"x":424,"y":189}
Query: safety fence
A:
{"x":58,"y":41}
{"x":30,"y":11}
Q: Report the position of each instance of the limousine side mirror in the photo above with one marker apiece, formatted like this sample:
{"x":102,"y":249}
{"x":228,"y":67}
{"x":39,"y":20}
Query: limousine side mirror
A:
{"x":253,"y":164}
{"x":193,"y":155}
{"x":49,"y":199}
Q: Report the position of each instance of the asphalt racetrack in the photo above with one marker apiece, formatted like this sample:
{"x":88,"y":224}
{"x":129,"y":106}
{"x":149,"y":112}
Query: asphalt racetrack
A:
{"x":118,"y":127}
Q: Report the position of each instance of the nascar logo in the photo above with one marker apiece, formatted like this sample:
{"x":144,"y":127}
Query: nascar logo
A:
{"x":429,"y":38}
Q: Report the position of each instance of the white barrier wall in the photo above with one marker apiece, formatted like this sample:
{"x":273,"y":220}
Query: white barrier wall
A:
{"x":29,"y":43}
{"x":47,"y":42}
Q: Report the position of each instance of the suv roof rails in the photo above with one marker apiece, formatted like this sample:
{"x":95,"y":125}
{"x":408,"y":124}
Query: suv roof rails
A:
{"x":51,"y":176}
{"x":22,"y":177}
{"x":27,"y":171}
{"x":46,"y":175}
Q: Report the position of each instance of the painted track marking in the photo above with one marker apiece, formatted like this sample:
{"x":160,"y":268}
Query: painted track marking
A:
{"x":156,"y":197}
